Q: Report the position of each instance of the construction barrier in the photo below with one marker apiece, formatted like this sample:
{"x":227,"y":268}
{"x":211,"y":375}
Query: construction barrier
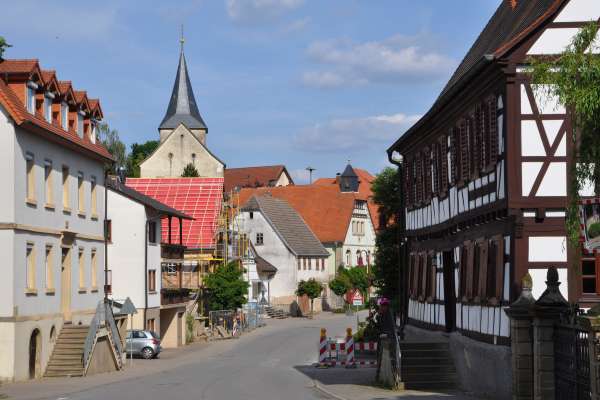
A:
{"x":333,"y":352}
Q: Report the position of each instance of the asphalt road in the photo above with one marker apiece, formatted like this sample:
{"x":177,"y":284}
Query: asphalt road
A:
{"x":263,"y":365}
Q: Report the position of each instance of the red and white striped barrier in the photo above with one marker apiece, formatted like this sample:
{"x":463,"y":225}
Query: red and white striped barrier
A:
{"x":333,"y":353}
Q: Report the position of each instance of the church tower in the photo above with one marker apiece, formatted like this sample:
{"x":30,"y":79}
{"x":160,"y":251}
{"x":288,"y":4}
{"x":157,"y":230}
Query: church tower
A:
{"x":182,"y":135}
{"x":182,"y":106}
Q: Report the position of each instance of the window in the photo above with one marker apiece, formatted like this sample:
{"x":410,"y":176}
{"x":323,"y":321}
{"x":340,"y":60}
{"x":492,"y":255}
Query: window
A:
{"x":93,"y":196}
{"x":304,"y":264}
{"x":48,"y":108}
{"x":65,"y":185}
{"x":49,"y":268}
{"x":30,"y":166}
{"x":30,"y":262}
{"x":299,"y":263}
{"x":151,"y":325}
{"x":81,"y":262}
{"x":322,"y":264}
{"x":80,"y":125}
{"x":589,"y":276}
{"x":309,"y":264}
{"x":152,"y":280}
{"x":48,"y":183}
{"x":259,"y":239}
{"x":251,"y":215}
{"x":348,"y":258}
{"x":80,"y":194}
{"x":94,"y":263}
{"x":108,"y":286}
{"x":108,"y":230}
{"x":152,"y":232}
{"x":359,"y":260}
{"x":64,"y":116}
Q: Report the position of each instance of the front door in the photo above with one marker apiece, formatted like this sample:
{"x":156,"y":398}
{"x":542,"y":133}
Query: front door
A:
{"x":449,"y":291}
{"x":65,"y":283}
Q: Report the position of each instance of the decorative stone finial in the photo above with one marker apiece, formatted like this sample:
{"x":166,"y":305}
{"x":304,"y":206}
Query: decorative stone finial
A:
{"x":552,"y":295}
{"x":526,"y":282}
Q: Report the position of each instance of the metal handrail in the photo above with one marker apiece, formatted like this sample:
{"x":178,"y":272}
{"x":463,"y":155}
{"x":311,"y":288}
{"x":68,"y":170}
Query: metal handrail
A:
{"x":111,"y":324}
{"x":91,"y":336}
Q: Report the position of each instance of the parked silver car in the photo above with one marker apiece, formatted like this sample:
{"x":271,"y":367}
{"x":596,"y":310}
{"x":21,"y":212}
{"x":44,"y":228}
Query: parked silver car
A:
{"x":142,"y":343}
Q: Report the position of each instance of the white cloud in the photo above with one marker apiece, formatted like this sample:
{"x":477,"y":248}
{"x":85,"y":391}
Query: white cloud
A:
{"x":251,"y":11}
{"x":354,"y":133}
{"x":396,"y":59}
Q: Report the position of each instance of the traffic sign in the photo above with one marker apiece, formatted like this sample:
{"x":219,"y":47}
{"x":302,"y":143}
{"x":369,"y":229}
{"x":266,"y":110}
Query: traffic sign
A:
{"x":357,"y":298}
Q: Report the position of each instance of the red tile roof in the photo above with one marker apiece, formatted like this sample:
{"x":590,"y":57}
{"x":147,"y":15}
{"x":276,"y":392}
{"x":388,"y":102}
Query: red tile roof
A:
{"x":365,"y":180}
{"x":253,"y":176}
{"x":15,"y":107}
{"x":325,"y":209}
{"x":199,"y":198}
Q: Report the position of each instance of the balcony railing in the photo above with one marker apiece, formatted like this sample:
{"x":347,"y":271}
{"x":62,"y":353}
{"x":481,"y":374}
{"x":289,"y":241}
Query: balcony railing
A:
{"x":174,"y":296}
{"x":172,"y":251}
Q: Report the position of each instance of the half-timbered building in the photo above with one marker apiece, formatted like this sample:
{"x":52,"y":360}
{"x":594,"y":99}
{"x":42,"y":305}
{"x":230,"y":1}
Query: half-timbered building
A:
{"x":485,"y":180}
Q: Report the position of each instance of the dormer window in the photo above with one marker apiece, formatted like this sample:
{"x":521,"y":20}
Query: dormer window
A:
{"x":80,"y":124}
{"x":93,"y":132}
{"x":64,"y":116}
{"x":31,"y":88}
{"x":48,"y":106}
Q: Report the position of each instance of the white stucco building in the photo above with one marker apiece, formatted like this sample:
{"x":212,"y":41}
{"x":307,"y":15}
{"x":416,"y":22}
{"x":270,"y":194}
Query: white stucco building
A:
{"x":134,"y":253}
{"x":280,"y":237}
{"x":51,"y":214}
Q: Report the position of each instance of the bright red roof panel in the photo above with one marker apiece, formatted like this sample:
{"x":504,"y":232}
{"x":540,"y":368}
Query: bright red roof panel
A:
{"x":199,"y":198}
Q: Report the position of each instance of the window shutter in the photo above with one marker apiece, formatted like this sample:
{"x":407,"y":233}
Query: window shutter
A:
{"x":419,"y":196}
{"x":407,"y":185}
{"x":424,"y":275}
{"x":454,"y":154}
{"x":464,"y":256}
{"x":427,"y":167}
{"x":435,"y":148}
{"x":493,"y":130}
{"x":443,"y":151}
{"x":464,"y":151}
{"x":485,"y":133}
{"x":499,"y":267}
{"x":483,"y":264}
{"x":433,"y":269}
{"x":469,"y":277}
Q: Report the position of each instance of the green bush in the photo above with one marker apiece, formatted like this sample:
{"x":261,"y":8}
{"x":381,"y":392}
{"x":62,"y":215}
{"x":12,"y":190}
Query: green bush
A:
{"x":189,"y":325}
{"x":340,"y":285}
{"x":594,"y":230}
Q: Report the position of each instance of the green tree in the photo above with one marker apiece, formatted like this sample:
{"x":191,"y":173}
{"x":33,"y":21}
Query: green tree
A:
{"x":340,"y":285}
{"x":190,"y":171}
{"x":357,"y":277}
{"x":3,"y":46}
{"x":387,"y":195}
{"x":574,"y":79}
{"x":227,"y":287}
{"x":139,"y":152}
{"x":111,"y":140}
{"x":311,"y":288}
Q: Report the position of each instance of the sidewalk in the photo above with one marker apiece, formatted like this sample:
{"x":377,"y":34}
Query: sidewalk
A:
{"x":358,"y":384}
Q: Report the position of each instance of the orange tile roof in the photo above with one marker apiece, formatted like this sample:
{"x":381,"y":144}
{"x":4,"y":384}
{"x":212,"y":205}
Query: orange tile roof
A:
{"x":18,"y":66}
{"x":325,"y":209}
{"x":21,"y":117}
{"x":47,"y":75}
{"x":253,"y":176}
{"x":63,"y":86}
{"x":364,"y":192}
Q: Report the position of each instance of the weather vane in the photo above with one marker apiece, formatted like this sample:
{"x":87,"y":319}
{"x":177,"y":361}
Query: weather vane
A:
{"x":181,"y":39}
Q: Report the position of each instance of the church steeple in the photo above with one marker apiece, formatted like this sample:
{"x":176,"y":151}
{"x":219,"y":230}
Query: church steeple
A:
{"x":182,"y":106}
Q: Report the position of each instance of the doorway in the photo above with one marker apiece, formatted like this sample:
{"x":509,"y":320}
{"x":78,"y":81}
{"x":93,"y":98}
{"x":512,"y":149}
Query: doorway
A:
{"x":449,"y":291}
{"x":34,"y":354}
{"x":65,"y":283}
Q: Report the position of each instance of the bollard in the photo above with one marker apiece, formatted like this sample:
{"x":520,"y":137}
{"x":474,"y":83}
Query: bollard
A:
{"x":322,"y":349}
{"x":350,"y":362}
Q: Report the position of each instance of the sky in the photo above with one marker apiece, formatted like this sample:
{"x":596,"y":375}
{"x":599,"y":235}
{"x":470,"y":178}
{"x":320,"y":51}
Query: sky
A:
{"x":294,"y":82}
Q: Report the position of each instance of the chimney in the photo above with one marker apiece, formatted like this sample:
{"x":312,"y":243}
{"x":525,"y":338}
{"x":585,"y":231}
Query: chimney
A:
{"x":513,"y":4}
{"x":337,"y":178}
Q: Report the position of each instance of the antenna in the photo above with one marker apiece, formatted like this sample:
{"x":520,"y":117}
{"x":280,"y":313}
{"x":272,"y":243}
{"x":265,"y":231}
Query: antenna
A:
{"x":310,"y":171}
{"x":181,"y":39}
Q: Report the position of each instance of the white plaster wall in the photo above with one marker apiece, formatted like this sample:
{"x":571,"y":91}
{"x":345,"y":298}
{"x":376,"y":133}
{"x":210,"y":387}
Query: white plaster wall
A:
{"x":354,"y":242}
{"x":182,"y":144}
{"x":7,"y":284}
{"x":285,"y":281}
{"x":7,"y":168}
{"x":283,"y":180}
{"x":126,"y":252}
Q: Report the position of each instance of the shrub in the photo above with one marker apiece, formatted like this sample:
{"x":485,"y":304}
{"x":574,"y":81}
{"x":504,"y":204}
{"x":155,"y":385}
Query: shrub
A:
{"x":594,"y":230}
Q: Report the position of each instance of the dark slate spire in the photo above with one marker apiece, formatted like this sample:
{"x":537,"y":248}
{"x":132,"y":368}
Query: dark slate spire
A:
{"x":182,"y":106}
{"x":349,"y":180}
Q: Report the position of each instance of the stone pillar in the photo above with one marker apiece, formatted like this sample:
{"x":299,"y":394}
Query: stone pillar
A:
{"x":547,"y":312}
{"x":593,"y":322}
{"x":521,"y":342}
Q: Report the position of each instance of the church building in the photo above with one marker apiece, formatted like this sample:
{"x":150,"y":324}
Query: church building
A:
{"x":182,"y":135}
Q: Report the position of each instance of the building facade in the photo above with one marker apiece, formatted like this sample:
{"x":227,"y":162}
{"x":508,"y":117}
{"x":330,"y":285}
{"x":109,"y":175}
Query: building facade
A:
{"x":52,"y":212}
{"x":485,"y":188}
{"x":280,"y":237}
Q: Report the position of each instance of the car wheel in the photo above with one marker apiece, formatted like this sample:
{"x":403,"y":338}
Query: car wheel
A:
{"x":147,"y":353}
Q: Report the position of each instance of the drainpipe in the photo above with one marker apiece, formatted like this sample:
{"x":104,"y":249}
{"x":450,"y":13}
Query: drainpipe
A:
{"x":402,"y":251}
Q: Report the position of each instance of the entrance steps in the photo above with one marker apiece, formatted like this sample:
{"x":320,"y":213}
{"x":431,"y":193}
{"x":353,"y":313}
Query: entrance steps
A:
{"x":277,"y":313}
{"x":67,"y":356}
{"x":427,"y":365}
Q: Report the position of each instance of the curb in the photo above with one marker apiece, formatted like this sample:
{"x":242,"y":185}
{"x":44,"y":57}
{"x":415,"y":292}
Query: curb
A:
{"x":327,"y":392}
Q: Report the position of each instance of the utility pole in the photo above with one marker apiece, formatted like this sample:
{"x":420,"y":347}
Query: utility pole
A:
{"x":310,"y":171}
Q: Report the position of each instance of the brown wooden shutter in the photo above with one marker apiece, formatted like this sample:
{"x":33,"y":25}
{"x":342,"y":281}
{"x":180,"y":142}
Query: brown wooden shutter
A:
{"x":469,"y":277}
{"x":416,"y":281}
{"x":444,"y":164}
{"x":464,"y":151}
{"x":411,"y":275}
{"x":454,"y":155}
{"x":407,"y":183}
{"x":493,"y":131}
{"x":464,"y":256}
{"x":485,"y":147}
{"x":423,"y":277}
{"x":499,"y":267}
{"x":483,"y":271}
{"x":433,"y":269}
{"x":427,"y":175}
{"x":419,"y":173}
